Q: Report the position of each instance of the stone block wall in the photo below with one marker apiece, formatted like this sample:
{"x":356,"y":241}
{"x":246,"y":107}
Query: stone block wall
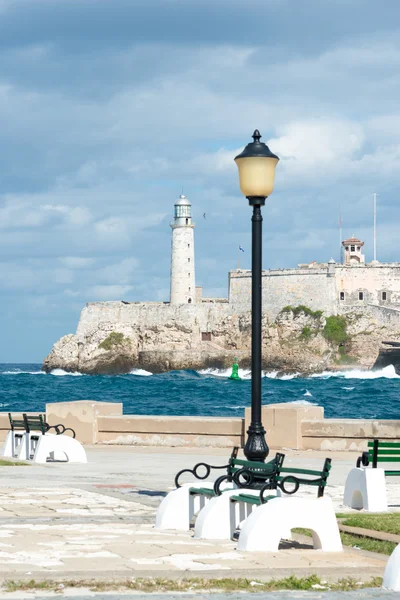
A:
{"x":288,"y":425}
{"x":285,"y":287}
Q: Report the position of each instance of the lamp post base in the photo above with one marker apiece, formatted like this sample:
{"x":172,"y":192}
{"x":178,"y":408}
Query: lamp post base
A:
{"x":256,"y":447}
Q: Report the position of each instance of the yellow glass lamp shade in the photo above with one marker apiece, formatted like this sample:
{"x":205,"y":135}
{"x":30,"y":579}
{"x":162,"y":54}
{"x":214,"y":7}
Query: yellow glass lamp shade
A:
{"x":256,"y":166}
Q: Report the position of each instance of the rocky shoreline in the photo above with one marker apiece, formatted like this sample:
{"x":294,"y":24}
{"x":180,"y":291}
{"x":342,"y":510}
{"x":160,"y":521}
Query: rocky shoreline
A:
{"x":297,"y":341}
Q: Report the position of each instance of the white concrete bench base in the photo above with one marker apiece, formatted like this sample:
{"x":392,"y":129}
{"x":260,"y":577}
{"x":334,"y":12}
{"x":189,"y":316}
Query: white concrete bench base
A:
{"x":59,"y":448}
{"x":391,"y":578}
{"x":12,"y":444}
{"x":220,"y":518}
{"x":213,"y":522}
{"x":45,"y":448}
{"x":268,"y":524}
{"x":366,"y":489}
{"x":178,"y":507}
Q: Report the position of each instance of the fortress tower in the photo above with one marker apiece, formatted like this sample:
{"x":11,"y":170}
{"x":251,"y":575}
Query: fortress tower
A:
{"x":353,"y":251}
{"x":183,"y":289}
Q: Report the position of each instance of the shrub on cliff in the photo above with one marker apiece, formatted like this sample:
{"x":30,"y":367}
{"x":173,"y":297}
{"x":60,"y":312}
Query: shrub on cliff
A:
{"x":335,"y":329}
{"x":296,"y":310}
{"x":114,"y":339}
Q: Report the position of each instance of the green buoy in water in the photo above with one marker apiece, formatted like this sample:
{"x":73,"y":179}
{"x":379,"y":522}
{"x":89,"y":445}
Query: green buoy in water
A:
{"x":235,"y":372}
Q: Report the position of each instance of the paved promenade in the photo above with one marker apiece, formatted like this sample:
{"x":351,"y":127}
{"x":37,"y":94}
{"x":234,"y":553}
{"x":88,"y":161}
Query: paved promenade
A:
{"x":65,"y":521}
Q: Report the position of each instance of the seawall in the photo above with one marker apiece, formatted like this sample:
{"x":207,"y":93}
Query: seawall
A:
{"x":288,"y":425}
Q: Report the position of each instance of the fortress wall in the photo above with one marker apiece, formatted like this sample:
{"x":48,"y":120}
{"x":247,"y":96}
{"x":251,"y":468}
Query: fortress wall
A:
{"x":190,"y":318}
{"x":284,"y":287}
{"x":372,"y":280}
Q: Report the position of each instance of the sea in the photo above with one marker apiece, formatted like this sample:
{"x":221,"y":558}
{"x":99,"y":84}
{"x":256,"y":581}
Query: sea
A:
{"x":343,"y":394}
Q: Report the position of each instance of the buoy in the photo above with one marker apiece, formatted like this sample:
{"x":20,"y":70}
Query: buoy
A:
{"x":235,"y":372}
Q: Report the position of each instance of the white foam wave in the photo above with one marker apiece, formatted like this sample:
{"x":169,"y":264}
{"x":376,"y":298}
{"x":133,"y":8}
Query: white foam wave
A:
{"x":23,"y":373}
{"x":243,"y":373}
{"x":288,"y":377}
{"x":348,"y":388}
{"x":303,"y":402}
{"x":140,"y":372}
{"x":307,"y":393}
{"x":386,"y":373}
{"x":270,"y":374}
{"x":62,"y":373}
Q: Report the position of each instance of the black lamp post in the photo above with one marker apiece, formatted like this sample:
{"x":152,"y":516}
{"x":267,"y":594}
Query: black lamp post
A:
{"x":256,"y":174}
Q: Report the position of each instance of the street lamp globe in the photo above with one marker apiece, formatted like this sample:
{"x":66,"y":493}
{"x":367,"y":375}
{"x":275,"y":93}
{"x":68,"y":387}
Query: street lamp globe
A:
{"x":256,"y":166}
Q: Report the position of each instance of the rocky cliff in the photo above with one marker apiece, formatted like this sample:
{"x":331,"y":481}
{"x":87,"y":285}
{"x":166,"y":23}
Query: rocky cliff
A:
{"x":116,"y":338}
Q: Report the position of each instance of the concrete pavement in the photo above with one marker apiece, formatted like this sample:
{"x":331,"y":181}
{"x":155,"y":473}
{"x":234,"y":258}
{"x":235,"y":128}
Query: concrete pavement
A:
{"x":65,"y":521}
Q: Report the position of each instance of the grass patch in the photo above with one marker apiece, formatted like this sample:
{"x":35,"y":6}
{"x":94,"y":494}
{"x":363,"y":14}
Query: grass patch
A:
{"x":12,"y":463}
{"x":364,"y":543}
{"x":306,"y":333}
{"x":114,"y":339}
{"x":390,"y":523}
{"x":297,"y":310}
{"x":345,"y":359}
{"x":151,"y":585}
{"x":335,"y":329}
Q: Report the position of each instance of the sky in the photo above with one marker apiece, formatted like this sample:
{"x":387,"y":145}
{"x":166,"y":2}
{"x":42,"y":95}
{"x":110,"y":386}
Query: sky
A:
{"x":110,"y":108}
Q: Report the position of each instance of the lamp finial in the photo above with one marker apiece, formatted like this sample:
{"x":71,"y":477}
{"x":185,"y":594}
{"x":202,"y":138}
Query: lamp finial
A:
{"x":256,"y":135}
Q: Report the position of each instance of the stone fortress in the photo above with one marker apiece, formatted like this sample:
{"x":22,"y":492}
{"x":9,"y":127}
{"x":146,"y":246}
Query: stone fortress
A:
{"x":192,"y":331}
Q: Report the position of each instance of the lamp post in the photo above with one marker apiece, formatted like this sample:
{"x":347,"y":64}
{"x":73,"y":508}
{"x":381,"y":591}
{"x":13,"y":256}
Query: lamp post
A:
{"x":256,"y":166}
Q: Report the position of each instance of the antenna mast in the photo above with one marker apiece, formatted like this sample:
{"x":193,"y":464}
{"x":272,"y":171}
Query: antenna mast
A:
{"x":340,"y":235}
{"x":374,"y":226}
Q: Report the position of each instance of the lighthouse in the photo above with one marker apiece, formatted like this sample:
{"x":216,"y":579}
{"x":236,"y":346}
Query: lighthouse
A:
{"x":183,"y":289}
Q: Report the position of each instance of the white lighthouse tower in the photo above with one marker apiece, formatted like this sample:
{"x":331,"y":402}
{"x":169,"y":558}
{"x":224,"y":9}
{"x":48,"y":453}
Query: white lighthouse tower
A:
{"x":183,"y":289}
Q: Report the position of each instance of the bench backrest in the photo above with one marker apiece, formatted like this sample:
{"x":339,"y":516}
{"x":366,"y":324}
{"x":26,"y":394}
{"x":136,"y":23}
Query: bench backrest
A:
{"x":258,"y":468}
{"x":16,"y":424}
{"x":385,"y":452}
{"x":35,"y":423}
{"x":296,"y":477}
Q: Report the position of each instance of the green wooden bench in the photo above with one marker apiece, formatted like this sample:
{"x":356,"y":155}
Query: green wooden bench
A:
{"x":381,"y":452}
{"x":241,"y":473}
{"x":288,"y":480}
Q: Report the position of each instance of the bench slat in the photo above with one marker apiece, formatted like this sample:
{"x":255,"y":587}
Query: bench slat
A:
{"x":202,"y":491}
{"x":392,"y":473}
{"x":388,"y":459}
{"x":302,"y":471}
{"x":385,"y":444}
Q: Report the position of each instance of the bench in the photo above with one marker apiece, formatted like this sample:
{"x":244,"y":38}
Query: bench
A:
{"x":29,"y":439}
{"x":288,"y":480}
{"x":179,"y":506}
{"x":265,"y":519}
{"x":366,"y":487}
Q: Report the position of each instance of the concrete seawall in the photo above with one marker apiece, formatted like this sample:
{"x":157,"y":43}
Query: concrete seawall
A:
{"x":288,"y":425}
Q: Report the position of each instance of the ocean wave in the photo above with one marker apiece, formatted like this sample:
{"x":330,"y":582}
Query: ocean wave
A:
{"x":243,"y":373}
{"x":62,"y":373}
{"x":388,"y":372}
{"x":307,"y":393}
{"x":348,"y":388}
{"x":270,"y":374}
{"x":22,"y":373}
{"x":140,"y":372}
{"x":303,"y":402}
{"x":289,"y":377}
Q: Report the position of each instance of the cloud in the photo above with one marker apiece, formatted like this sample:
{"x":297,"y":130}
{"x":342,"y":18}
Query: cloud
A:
{"x":109,"y":292}
{"x":76,"y":262}
{"x":107,"y":114}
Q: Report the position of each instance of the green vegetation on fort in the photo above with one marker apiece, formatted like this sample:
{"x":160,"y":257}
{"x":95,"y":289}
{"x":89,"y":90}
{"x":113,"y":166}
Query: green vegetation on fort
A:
{"x":12,"y":463}
{"x":306,"y":333}
{"x":297,"y":310}
{"x":158,"y":584}
{"x":335,"y":329}
{"x":114,"y":339}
